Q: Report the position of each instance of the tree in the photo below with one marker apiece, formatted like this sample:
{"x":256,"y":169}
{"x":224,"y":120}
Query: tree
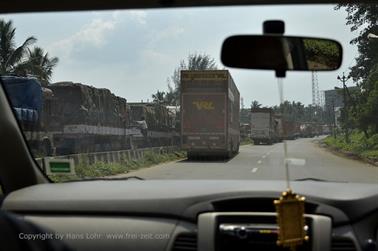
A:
{"x":255,"y":104}
{"x":194,"y":62}
{"x":363,"y":109}
{"x":363,"y":18}
{"x":40,"y":64}
{"x":22,"y":60}
{"x":12,"y":57}
{"x":170,"y":98}
{"x":158,"y":97}
{"x":296,"y":111}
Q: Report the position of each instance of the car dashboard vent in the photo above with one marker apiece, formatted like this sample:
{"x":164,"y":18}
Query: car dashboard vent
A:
{"x":343,"y":244}
{"x":185,"y":242}
{"x":253,"y":205}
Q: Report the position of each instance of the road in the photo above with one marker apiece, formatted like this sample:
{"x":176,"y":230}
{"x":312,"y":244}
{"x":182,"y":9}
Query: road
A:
{"x":308,"y":160}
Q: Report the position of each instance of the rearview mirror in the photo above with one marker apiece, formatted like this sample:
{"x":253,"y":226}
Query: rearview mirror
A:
{"x":281,"y":53}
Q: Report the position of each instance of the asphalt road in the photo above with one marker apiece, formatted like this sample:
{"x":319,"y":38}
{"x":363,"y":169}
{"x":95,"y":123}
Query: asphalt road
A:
{"x":307,"y":158}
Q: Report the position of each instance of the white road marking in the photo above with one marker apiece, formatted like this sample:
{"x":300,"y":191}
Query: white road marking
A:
{"x":259,"y":162}
{"x":264,"y":156}
{"x":254,"y":169}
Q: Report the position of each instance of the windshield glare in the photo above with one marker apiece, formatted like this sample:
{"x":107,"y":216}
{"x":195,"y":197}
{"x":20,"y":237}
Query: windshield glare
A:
{"x":143,"y":94}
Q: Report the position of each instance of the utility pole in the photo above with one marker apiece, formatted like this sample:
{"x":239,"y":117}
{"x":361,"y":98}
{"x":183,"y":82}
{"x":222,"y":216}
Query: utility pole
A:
{"x":343,"y":80}
{"x":333,"y":119}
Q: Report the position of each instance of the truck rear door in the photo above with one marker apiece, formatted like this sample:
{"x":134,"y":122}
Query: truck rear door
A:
{"x":260,"y":125}
{"x":204,"y":120}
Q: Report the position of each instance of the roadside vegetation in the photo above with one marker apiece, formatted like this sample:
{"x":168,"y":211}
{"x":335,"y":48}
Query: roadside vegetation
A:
{"x":246,"y":141}
{"x":359,"y":145}
{"x":101,"y":169}
{"x":359,"y":120}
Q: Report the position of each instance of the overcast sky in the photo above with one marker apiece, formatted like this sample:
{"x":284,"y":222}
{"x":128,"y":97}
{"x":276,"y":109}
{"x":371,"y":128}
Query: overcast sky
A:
{"x":132,"y":53}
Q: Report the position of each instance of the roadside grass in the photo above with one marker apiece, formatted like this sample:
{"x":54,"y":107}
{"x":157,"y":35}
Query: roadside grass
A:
{"x":359,"y":145}
{"x":246,"y":141}
{"x":84,"y":170}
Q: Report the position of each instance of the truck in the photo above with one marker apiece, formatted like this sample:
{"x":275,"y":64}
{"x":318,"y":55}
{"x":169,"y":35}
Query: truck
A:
{"x":210,"y":107}
{"x":291,"y":129}
{"x":82,"y":118}
{"x":307,"y":130}
{"x":286,"y":128}
{"x":263,"y":126}
{"x":312,"y":129}
{"x":68,"y":118}
{"x":160,"y":121}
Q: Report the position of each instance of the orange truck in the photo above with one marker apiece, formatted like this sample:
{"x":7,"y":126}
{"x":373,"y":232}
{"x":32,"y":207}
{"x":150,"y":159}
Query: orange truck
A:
{"x":210,"y":110}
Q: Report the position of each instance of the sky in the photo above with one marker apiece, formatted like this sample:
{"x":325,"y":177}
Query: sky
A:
{"x":133,"y":52}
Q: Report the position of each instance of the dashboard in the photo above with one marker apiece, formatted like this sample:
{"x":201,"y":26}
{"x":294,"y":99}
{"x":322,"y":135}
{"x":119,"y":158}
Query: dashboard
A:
{"x":197,"y":214}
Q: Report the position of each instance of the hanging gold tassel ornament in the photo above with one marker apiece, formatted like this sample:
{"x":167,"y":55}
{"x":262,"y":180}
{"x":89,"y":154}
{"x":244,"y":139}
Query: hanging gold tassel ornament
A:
{"x":290,"y":219}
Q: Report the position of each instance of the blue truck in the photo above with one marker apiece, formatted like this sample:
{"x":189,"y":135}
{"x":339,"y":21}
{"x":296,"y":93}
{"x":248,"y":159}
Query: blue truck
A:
{"x":26,"y":97}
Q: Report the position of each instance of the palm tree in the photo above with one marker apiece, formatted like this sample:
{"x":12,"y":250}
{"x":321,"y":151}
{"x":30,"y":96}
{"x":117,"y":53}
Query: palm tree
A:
{"x":255,"y":104}
{"x":12,"y":57}
{"x":159,"y":97}
{"x":40,"y":64}
{"x":170,"y":98}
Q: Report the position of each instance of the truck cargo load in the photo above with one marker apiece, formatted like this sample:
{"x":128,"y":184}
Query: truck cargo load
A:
{"x":77,"y":104}
{"x":159,"y":121}
{"x":67,"y":118}
{"x":210,"y":106}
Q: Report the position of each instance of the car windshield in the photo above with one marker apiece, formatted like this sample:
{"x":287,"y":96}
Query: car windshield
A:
{"x":144,"y":94}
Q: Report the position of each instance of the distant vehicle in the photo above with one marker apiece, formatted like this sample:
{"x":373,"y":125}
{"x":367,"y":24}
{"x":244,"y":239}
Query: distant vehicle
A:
{"x":160,"y":122}
{"x":263,"y":126}
{"x":326,"y":130}
{"x":290,"y":130}
{"x":245,"y":131}
{"x":307,"y":130}
{"x":286,"y":129}
{"x":311,"y":129}
{"x":210,"y":107}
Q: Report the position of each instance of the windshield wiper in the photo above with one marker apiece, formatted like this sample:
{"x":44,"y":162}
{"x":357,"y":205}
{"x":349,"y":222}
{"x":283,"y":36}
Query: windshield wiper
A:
{"x":112,"y":179}
{"x":320,"y":180}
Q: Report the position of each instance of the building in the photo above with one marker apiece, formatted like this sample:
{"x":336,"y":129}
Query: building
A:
{"x":334,"y":102}
{"x":335,"y":98}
